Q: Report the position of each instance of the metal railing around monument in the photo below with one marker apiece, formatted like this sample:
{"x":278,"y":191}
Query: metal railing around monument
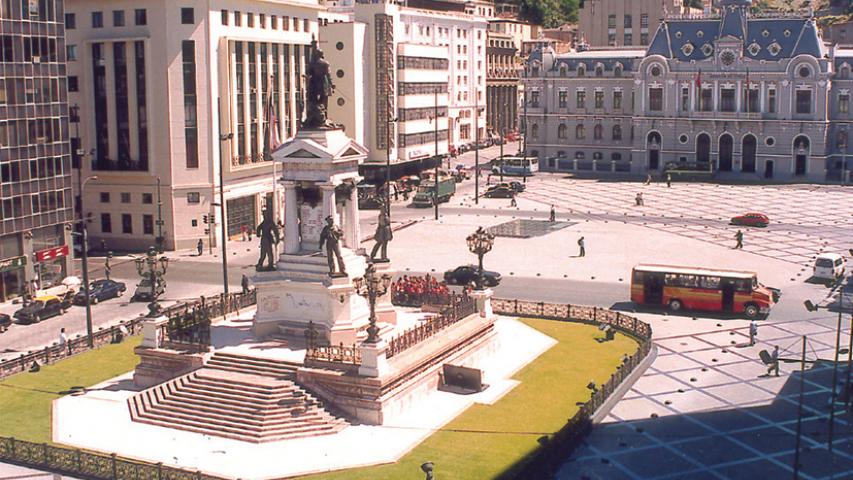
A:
{"x":188,"y":327}
{"x":458,"y":307}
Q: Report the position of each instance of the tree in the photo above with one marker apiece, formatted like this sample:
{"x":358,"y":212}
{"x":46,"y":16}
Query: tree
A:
{"x":694,"y":4}
{"x":548,"y":13}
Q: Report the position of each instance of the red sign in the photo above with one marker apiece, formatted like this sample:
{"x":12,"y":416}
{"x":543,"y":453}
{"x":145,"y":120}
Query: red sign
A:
{"x":52,"y":253}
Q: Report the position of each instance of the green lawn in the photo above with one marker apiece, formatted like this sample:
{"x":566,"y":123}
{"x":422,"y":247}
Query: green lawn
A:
{"x":25,"y":398}
{"x":486,"y":440}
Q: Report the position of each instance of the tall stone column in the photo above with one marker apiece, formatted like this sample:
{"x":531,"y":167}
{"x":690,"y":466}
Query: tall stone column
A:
{"x":352,"y":228}
{"x":291,"y":218}
{"x":329,"y":207}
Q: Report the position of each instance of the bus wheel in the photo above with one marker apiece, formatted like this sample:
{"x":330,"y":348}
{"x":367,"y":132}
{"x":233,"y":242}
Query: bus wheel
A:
{"x":675,"y":305}
{"x":751,"y":310}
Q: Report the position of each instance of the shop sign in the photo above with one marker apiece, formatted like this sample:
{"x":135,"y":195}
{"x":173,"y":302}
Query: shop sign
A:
{"x":13,"y":263}
{"x":51,"y":253}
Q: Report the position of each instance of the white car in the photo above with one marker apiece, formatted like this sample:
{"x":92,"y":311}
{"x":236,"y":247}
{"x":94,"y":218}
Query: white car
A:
{"x":829,"y":266}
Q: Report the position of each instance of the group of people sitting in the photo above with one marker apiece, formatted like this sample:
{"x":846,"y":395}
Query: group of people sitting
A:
{"x":416,"y":290}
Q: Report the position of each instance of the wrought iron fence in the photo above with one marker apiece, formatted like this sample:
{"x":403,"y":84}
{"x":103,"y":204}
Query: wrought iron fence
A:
{"x":403,"y":299}
{"x":88,"y":464}
{"x":555,"y":449}
{"x":214,"y":307}
{"x":334,"y":354}
{"x":460,"y":306}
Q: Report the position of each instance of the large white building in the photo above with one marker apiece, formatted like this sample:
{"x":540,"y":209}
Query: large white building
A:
{"x":396,"y":66}
{"x":169,"y":93}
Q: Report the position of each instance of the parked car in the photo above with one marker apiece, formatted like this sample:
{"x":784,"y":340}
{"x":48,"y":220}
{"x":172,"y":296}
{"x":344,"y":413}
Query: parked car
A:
{"x":829,"y":266}
{"x":500,"y":191}
{"x":5,"y":322}
{"x":752,"y":219}
{"x":101,"y":290}
{"x":40,"y":309}
{"x":465,"y":274}
{"x":143,"y":291}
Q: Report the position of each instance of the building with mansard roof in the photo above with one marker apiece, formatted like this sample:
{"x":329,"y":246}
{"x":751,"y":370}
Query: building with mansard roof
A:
{"x":735,"y":96}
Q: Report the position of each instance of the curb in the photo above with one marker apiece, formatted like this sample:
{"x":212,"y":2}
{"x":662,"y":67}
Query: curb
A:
{"x":626,"y":384}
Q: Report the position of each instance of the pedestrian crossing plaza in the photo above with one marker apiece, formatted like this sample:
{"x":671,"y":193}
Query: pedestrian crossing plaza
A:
{"x":804,"y":219}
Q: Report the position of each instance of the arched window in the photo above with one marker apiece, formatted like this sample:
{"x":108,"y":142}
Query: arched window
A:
{"x":597,"y":156}
{"x":581,"y":70}
{"x":580,"y":133}
{"x":562,"y":131}
{"x":597,"y":132}
{"x":563,"y":69}
{"x":617,"y":71}
{"x":534,"y":131}
{"x":617,"y":132}
{"x":599,"y":70}
{"x":845,"y":72}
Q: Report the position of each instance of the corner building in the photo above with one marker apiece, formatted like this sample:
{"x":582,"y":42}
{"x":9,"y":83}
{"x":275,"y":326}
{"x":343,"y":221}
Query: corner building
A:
{"x":169,"y":93}
{"x":35,"y":161}
{"x":733,"y":96}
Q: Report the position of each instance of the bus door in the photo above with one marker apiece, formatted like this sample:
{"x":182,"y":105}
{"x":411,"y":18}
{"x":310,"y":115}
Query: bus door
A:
{"x":653,"y":288}
{"x":728,"y":290}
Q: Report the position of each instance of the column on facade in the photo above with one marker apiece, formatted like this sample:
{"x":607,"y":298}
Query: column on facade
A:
{"x":329,"y":208}
{"x":291,"y":218}
{"x":738,"y":94}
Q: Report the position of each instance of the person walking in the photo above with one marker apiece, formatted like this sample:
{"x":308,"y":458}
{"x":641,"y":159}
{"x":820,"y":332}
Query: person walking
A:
{"x":63,"y":340}
{"x":668,"y":180}
{"x":513,"y":202}
{"x":200,"y":247}
{"x":581,"y":247}
{"x":773,"y":366}
{"x":753,"y":332}
{"x":739,"y":240}
{"x":639,"y":199}
{"x":244,"y":232}
{"x":553,"y":217}
{"x":244,"y":282}
{"x":648,"y":179}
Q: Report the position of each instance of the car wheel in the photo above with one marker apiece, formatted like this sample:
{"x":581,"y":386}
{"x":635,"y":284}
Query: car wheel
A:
{"x":751,"y":310}
{"x":675,"y":305}
{"x":94,"y":300}
{"x":120,"y":293}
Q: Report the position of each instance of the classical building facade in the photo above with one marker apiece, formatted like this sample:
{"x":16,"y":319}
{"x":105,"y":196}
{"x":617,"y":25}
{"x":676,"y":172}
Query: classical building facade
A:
{"x":729,"y":95}
{"x":169,"y":93}
{"x":501,"y":84}
{"x":35,"y":162}
{"x":621,"y":23}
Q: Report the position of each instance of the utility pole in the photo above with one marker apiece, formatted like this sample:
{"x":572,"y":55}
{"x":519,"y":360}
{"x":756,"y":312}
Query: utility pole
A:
{"x":832,"y":398}
{"x":437,"y":159}
{"x":800,"y":412}
{"x":160,"y":239}
{"x":476,"y":146}
{"x":222,"y":138}
{"x":390,"y":122}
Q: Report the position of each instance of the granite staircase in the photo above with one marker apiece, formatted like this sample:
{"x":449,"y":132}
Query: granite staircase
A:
{"x":238,"y":397}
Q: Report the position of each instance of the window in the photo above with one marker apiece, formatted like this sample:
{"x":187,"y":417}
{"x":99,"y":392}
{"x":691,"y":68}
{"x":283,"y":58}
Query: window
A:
{"x":262,"y":19}
{"x":706,"y":102}
{"x":580,"y":99}
{"x":628,"y":39}
{"x":534,"y":98}
{"x":127,"y":223}
{"x":616,"y":157}
{"x":844,"y":103}
{"x":750,"y":100}
{"x":611,"y":21}
{"x":534,"y":132}
{"x":617,"y":132}
{"x":125,"y":197}
{"x":656,"y":99}
{"x":224,"y":17}
{"x":644,"y":20}
{"x":147,"y":198}
{"x":580,"y":132}
{"x":644,"y":38}
{"x":685,"y":99}
{"x":105,"y":197}
{"x":193,"y":197}
{"x":72,"y":83}
{"x":599,"y":99}
{"x":599,"y":70}
{"x":771,"y":100}
{"x":97,"y":20}
{"x":727,"y":99}
{"x":71,"y":52}
{"x":250,"y":19}
{"x":140,"y":16}
{"x":273,"y":22}
{"x":70,"y":21}
{"x":617,"y":71}
{"x":581,"y":70}
{"x":190,"y":123}
{"x":628,"y":21}
{"x":617,"y":99}
{"x":562,"y":131}
{"x":804,"y":101}
{"x":187,"y":15}
{"x":118,"y":18}
{"x":148,"y":224}
{"x":106,"y":223}
{"x":562,"y":98}
{"x":597,"y":132}
{"x":238,"y":19}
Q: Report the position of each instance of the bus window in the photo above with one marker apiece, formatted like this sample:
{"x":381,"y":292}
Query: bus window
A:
{"x":742,"y":285}
{"x":709,"y":282}
{"x":671,"y":280}
{"x":637,"y":277}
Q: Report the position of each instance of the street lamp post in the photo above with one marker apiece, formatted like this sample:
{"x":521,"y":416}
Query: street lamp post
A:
{"x":812,"y":307}
{"x":154,"y":269}
{"x":388,"y":136}
{"x":480,"y":243}
{"x":84,"y":236}
{"x":160,"y":238}
{"x":371,"y":287}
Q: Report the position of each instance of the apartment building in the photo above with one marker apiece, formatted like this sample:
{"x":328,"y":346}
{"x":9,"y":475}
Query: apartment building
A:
{"x":169,"y":93}
{"x":620,"y":23}
{"x":35,"y":161}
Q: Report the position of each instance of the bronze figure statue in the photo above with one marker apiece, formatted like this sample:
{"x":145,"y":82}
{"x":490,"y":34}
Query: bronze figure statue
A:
{"x":331,"y":236}
{"x":267,"y":231}
{"x":383,"y":235}
{"x":319,"y":89}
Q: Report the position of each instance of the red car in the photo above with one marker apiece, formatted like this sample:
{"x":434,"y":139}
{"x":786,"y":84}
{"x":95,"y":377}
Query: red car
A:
{"x":751,"y":220}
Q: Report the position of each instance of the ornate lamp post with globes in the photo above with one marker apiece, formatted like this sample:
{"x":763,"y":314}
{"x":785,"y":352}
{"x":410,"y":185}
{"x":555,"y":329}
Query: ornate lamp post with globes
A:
{"x":372,"y":286}
{"x":480,"y":243}
{"x":152,"y":268}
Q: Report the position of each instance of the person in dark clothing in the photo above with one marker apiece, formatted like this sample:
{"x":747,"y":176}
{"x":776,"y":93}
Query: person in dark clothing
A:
{"x":244,"y":282}
{"x":553,"y":216}
{"x":582,"y":247}
{"x":739,"y":240}
{"x":200,"y":247}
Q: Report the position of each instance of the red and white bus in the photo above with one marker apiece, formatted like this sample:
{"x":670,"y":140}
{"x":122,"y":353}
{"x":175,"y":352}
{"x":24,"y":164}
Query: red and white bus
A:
{"x":685,"y":288}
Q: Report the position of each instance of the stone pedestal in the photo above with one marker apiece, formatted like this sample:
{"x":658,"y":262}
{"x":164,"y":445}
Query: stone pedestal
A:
{"x":385,"y":312}
{"x":151,"y":331}
{"x":158,"y":365}
{"x":483,"y":299}
{"x":373,"y":360}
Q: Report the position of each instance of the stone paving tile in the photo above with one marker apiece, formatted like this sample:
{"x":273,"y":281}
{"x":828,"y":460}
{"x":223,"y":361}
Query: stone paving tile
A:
{"x":676,"y":361}
{"x":690,"y":401}
{"x":665,"y":462}
{"x":741,"y":393}
{"x":655,"y":384}
{"x":762,"y":468}
{"x":593,"y":469}
{"x":638,"y":408}
{"x":699,"y":379}
{"x":720,"y":450}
